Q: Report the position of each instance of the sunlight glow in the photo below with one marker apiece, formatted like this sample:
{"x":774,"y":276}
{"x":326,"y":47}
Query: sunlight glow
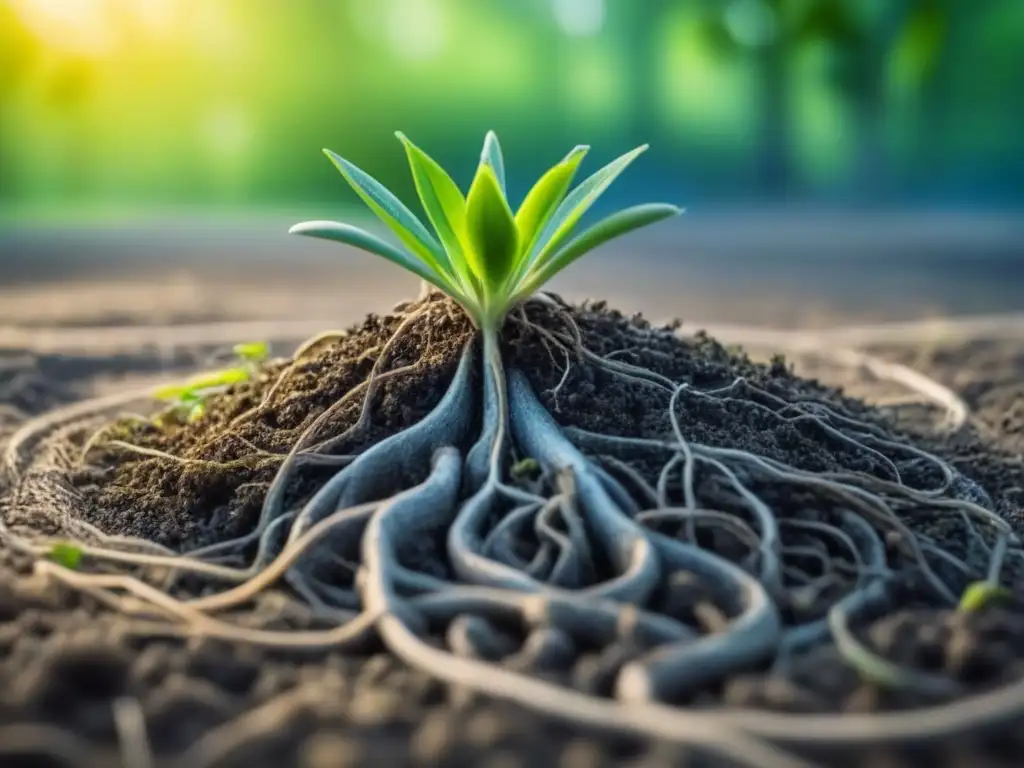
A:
{"x":580,"y":18}
{"x":75,"y":26}
{"x":93,"y":27}
{"x":415,"y":28}
{"x":227,"y":131}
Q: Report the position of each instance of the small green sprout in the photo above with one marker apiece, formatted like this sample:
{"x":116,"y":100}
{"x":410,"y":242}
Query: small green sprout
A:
{"x":526,"y":469}
{"x":65,"y":554}
{"x":252,"y":352}
{"x":485,"y":256}
{"x":186,"y":406}
{"x":194,"y":406}
{"x":981,"y":595}
{"x":201,"y":384}
{"x":188,"y":399}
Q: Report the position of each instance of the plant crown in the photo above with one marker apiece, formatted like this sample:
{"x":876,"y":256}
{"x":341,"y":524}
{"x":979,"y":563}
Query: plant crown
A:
{"x":480,"y":253}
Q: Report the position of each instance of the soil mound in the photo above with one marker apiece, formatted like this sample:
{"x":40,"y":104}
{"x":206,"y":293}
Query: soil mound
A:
{"x":813,"y":545}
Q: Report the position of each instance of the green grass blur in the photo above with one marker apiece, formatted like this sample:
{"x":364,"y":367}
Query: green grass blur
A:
{"x":109,"y":107}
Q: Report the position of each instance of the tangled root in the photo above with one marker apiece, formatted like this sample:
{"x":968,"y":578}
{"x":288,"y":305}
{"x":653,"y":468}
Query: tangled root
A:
{"x":499,"y":585}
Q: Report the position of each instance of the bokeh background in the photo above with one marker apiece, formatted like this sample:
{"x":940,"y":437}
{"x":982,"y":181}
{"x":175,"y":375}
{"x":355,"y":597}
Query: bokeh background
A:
{"x":859,"y":157}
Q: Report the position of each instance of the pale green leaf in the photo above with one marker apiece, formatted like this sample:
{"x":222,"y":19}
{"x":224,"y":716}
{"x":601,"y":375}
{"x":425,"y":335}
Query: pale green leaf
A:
{"x":215,"y":379}
{"x":490,"y":230}
{"x":541,"y":201}
{"x":577,"y":203}
{"x":491,"y":155}
{"x":359,"y":238}
{"x":403,"y":222}
{"x":615,"y":225}
{"x":252,"y":351}
{"x":981,"y":594}
{"x":170,"y":392}
{"x":443,"y":202}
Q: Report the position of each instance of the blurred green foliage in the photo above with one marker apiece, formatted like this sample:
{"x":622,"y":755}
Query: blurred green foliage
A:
{"x":157,"y":102}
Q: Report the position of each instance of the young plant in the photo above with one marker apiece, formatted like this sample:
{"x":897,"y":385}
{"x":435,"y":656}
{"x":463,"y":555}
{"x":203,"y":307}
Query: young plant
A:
{"x":483,"y":255}
{"x":979,"y":595}
{"x":251,"y":354}
{"x":188,"y":399}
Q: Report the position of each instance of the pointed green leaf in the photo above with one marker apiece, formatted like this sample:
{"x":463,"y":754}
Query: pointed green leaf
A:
{"x":577,"y":203}
{"x":392,"y":211}
{"x":443,"y":202}
{"x":252,"y":351}
{"x":529,"y":245}
{"x":359,"y":238}
{"x":577,"y":153}
{"x":541,"y":201}
{"x":490,"y":230}
{"x":491,"y":155}
{"x":613,"y":226}
{"x":981,"y":594}
{"x":170,"y":392}
{"x":215,"y":379}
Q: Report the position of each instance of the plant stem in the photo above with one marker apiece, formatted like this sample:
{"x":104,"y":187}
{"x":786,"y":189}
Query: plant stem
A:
{"x":494,"y":367}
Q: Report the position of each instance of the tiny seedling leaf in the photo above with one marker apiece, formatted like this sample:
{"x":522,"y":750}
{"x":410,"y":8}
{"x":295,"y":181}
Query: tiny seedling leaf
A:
{"x":526,"y":469}
{"x":982,"y":594}
{"x":252,"y":351}
{"x":490,"y":229}
{"x":65,"y":554}
{"x":196,"y":412}
{"x":171,"y":392}
{"x":216,"y":379}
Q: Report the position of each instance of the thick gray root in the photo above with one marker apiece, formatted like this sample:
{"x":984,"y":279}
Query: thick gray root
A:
{"x":533,"y":573}
{"x":628,"y":550}
{"x":376,"y":473}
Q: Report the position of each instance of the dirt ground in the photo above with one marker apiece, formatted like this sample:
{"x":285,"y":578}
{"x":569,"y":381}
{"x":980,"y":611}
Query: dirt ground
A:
{"x":71,"y":683}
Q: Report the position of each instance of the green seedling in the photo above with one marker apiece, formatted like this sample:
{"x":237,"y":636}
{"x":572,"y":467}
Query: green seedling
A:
{"x":252,"y":353}
{"x":481,"y":253}
{"x":66,"y":555}
{"x":187,"y":407}
{"x":982,"y":594}
{"x":188,"y":399}
{"x":526,"y":469}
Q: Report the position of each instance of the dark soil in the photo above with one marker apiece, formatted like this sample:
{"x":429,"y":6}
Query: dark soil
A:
{"x":64,"y":658}
{"x":188,"y":505}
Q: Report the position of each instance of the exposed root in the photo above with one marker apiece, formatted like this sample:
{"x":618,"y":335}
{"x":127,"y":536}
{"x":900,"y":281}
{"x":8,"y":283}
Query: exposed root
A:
{"x":424,"y":542}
